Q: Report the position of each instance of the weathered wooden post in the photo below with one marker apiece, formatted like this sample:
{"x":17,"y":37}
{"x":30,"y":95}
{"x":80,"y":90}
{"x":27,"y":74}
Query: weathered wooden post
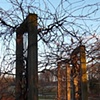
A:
{"x":19,"y":65}
{"x":84,"y":74}
{"x":68,"y":82}
{"x":63,"y":88}
{"x":79,"y":75}
{"x":30,"y":26}
{"x":59,"y":82}
{"x":32,"y":58}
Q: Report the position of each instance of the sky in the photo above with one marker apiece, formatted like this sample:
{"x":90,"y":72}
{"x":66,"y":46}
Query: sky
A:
{"x":54,"y":3}
{"x":5,"y":3}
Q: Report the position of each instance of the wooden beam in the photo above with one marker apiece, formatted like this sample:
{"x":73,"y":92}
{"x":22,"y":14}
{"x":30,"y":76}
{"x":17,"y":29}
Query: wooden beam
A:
{"x":84,"y":74}
{"x":29,"y":25}
{"x":19,"y":65}
{"x":32,"y":57}
{"x":59,"y":82}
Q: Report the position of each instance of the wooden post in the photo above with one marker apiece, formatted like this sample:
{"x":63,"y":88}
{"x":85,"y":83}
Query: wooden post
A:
{"x":59,"y":82}
{"x":78,"y":58}
{"x":32,"y":58}
{"x":19,"y":65}
{"x":29,"y":25}
{"x":68,"y":83}
{"x":84,"y":74}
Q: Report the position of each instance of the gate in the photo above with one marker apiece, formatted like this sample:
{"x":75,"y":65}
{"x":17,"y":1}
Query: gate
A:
{"x":72,"y":77}
{"x":26,"y":67}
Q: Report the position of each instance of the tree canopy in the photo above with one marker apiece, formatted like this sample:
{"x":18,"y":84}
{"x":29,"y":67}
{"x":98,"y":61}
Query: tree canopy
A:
{"x":62,"y":26}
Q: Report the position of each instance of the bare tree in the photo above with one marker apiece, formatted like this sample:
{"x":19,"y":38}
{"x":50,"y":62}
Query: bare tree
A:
{"x":61,"y":28}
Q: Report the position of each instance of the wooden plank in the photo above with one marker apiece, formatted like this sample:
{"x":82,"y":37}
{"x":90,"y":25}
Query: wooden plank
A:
{"x":84,"y":74}
{"x":32,"y":57}
{"x":19,"y":65}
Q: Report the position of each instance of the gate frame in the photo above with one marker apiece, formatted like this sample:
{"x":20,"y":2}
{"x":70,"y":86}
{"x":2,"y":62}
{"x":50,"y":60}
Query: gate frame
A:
{"x":29,"y":25}
{"x":70,"y":93}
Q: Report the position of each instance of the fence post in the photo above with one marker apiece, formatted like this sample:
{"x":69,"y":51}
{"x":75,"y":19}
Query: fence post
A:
{"x":32,"y":58}
{"x":84,"y":74}
{"x":59,"y":82}
{"x":68,"y":82}
{"x":19,"y":65}
{"x":29,"y":25}
{"x":78,"y":60}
